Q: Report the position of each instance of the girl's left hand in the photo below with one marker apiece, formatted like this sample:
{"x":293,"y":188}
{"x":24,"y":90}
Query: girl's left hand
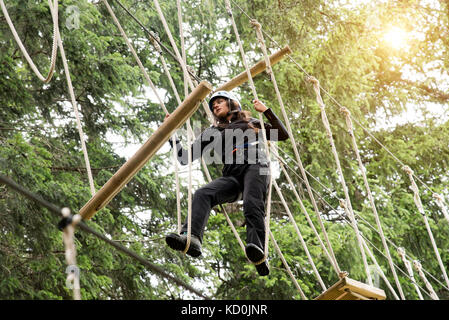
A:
{"x":259,"y":106}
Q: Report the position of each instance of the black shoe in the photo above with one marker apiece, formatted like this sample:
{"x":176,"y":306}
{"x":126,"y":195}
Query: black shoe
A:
{"x":255,"y":254}
{"x":263,"y":269}
{"x":178,"y":242}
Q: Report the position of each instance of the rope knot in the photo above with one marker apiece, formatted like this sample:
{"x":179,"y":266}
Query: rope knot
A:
{"x":255,"y":24}
{"x":155,"y":41}
{"x":228,"y":7}
{"x":401,"y":252}
{"x":345,"y":111}
{"x":417,"y":265}
{"x":407,"y":169}
{"x":313,"y":80}
{"x":437,"y":197}
{"x":190,"y":69}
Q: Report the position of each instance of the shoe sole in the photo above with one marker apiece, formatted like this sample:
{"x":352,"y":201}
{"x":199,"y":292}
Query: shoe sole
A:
{"x":174,"y":241}
{"x":254,"y":253}
{"x":262,"y":269}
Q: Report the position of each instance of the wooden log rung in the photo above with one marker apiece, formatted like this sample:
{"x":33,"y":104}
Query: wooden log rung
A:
{"x":349,"y":289}
{"x":144,"y":154}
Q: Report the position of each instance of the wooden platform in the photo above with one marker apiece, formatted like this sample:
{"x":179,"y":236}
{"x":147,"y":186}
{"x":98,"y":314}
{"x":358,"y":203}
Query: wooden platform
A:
{"x":349,"y":289}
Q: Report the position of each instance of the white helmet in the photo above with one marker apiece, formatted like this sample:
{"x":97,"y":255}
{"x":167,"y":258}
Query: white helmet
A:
{"x":223,"y":94}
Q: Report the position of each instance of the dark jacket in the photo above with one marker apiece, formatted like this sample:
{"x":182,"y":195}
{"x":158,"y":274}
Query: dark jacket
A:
{"x":236,"y":145}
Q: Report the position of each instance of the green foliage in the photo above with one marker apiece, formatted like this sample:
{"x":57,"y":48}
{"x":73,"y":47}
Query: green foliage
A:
{"x":342,"y":45}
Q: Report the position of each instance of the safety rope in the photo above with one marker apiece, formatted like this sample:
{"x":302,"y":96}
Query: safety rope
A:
{"x":362,"y":168}
{"x":81,"y":225}
{"x":347,"y":204}
{"x":408,"y":266}
{"x":155,"y":41}
{"x":180,"y":60}
{"x":358,"y":122}
{"x":293,"y":170}
{"x":261,"y":41}
{"x":262,"y":128}
{"x":74,"y":104}
{"x":439,"y":200}
{"x":136,"y":57}
{"x":429,"y":287}
{"x":307,"y":75}
{"x":54,"y":51}
{"x":189,"y":131}
{"x":298,"y":232}
{"x":418,"y":203}
{"x":73,"y":279}
{"x":379,"y":269}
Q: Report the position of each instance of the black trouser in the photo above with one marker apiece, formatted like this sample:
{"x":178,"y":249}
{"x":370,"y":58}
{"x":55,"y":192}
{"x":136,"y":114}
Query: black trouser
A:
{"x":253,"y":186}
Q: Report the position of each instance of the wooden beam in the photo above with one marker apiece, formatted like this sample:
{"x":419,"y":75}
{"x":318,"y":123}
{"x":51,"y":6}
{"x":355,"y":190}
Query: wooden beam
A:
{"x":144,"y":154}
{"x":349,"y":289}
{"x":255,"y":70}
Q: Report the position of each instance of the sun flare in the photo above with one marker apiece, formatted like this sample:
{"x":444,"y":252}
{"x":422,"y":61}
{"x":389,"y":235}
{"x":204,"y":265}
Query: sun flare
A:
{"x":396,"y":38}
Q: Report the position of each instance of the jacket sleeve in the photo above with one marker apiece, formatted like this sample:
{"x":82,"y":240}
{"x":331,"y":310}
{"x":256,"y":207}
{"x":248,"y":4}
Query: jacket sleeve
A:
{"x":202,"y":142}
{"x":275,"y":124}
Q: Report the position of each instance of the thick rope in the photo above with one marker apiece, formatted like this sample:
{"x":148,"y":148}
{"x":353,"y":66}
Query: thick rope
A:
{"x":74,"y":105}
{"x":264,"y":134}
{"x":185,"y":70}
{"x":155,"y":41}
{"x":298,"y":232}
{"x":350,"y":214}
{"x":439,"y":200}
{"x":57,"y":211}
{"x":335,"y":101}
{"x":68,"y":233}
{"x":301,"y":204}
{"x":189,"y":131}
{"x":371,"y":198}
{"x":408,"y":266}
{"x":261,"y":41}
{"x":360,"y":217}
{"x":379,"y":269}
{"x":347,"y":205}
{"x":136,"y":57}
{"x":57,"y":42}
{"x":429,"y":287}
{"x":418,"y":203}
{"x":203,"y":163}
{"x":54,"y":16}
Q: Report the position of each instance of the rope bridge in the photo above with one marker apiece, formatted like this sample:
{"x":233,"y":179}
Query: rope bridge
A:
{"x":345,"y":288}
